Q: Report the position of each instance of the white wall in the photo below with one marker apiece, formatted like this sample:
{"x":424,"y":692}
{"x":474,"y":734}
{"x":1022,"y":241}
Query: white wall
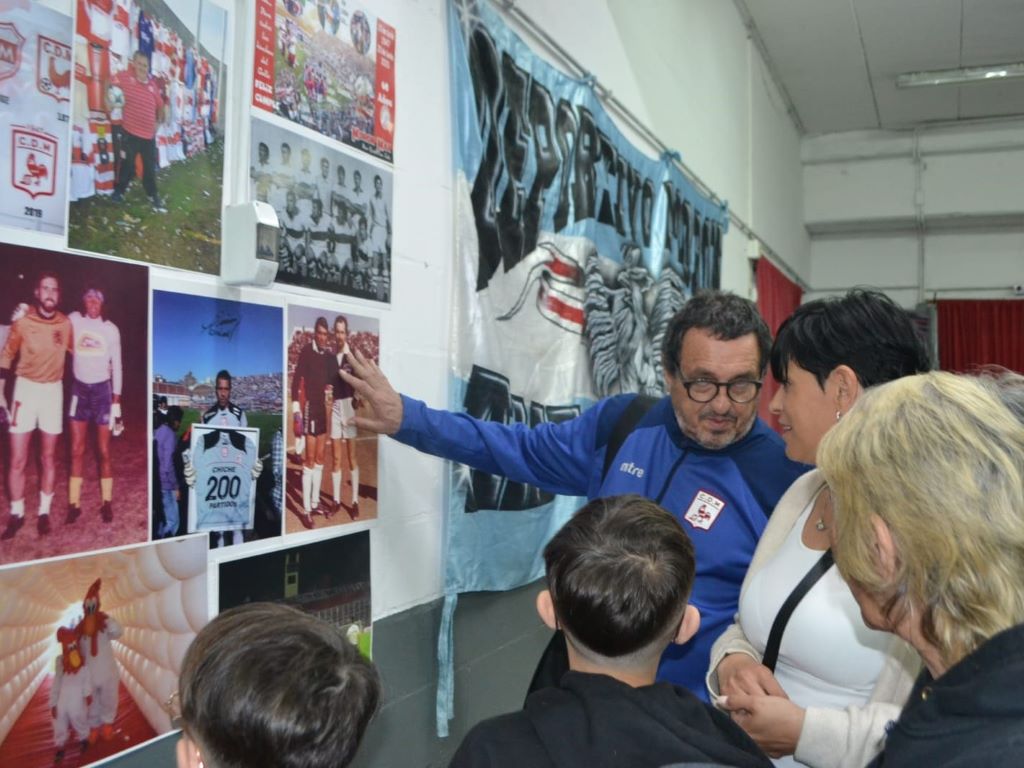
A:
{"x":939,"y":213}
{"x":710,"y":97}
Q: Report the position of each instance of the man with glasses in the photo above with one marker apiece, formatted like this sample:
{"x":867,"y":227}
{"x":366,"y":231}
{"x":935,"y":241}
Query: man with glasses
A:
{"x":701,"y":452}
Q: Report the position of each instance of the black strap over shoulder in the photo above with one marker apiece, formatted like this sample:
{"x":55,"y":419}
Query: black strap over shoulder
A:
{"x":635,"y":411}
{"x":771,"y":649}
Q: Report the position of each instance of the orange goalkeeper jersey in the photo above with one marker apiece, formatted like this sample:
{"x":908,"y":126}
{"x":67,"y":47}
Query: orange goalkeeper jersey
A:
{"x":42,"y":344}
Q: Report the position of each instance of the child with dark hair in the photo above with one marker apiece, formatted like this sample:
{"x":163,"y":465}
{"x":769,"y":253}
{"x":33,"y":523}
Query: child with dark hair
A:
{"x":266,"y":684}
{"x":619,"y":576}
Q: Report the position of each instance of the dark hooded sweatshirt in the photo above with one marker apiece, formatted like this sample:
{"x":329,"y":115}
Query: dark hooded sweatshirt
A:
{"x":595,"y":721}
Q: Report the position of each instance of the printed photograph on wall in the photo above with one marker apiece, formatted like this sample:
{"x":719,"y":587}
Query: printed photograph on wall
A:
{"x":334,"y":210}
{"x":91,"y":648}
{"x":216,"y":364}
{"x":331,"y":466}
{"x":147,"y":138}
{"x":329,"y":579}
{"x":35,"y":102}
{"x":73,"y":413}
{"x":329,"y":66}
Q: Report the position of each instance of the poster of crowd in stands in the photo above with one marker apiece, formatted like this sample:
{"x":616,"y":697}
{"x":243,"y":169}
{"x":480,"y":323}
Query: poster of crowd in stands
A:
{"x":217,"y":363}
{"x":331,"y":467}
{"x":329,"y":66}
{"x":73,"y":343}
{"x":90,"y":649}
{"x":147,"y":131}
{"x":334,"y":211}
{"x":329,"y":579}
{"x":573,"y":250}
{"x":35,"y":102}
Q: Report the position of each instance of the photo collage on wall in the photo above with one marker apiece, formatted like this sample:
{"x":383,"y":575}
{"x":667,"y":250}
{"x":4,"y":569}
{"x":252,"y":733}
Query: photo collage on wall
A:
{"x":323,"y":84}
{"x":157,"y":427}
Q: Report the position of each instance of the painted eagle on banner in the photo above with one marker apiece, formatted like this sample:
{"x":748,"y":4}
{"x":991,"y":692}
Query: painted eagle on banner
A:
{"x":621,"y":309}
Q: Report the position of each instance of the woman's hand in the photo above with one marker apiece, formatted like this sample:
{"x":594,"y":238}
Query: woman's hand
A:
{"x":773,"y":722}
{"x":739,"y":673}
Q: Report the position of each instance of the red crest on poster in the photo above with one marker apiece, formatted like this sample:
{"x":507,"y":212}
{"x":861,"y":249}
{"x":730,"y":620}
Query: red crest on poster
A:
{"x":11,"y":43}
{"x":53,"y":68}
{"x":33,"y":162}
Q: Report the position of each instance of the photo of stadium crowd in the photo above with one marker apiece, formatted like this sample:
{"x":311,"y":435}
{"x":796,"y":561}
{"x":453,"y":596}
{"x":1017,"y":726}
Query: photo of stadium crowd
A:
{"x":217,"y":362}
{"x":332,"y":73}
{"x":334,"y":211}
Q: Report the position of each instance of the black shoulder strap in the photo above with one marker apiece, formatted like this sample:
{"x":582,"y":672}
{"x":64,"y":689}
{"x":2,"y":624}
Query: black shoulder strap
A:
{"x":771,"y":649}
{"x":626,"y":423}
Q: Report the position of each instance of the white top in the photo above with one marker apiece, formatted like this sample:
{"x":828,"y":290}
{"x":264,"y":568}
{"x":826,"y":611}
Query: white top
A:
{"x":97,"y":350}
{"x":827,"y":657}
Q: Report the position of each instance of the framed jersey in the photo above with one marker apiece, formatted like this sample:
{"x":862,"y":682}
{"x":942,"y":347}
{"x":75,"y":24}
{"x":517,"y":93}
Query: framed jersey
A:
{"x":223,"y":497}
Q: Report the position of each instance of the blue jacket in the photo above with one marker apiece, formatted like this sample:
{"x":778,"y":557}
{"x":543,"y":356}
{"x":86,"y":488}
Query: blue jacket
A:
{"x":722,"y":497}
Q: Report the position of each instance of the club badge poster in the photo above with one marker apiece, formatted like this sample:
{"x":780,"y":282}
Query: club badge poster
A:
{"x":334,"y":210}
{"x":331,"y":465}
{"x":35,"y":93}
{"x":91,"y":648}
{"x":148,"y":130}
{"x":197,"y":338}
{"x":75,"y":444}
{"x":329,"y":66}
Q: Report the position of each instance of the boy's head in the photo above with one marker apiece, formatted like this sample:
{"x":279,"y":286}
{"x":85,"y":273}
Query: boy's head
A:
{"x":619,"y":575}
{"x":265,"y":684}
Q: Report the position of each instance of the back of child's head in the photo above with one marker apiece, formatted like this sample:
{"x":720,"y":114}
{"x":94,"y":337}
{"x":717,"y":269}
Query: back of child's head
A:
{"x":266,"y":684}
{"x":620,"y":573}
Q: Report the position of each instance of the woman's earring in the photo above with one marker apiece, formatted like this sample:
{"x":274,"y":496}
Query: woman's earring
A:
{"x":839,"y":415}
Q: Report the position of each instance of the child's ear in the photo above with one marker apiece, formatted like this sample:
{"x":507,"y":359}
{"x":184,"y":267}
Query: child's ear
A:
{"x":546,"y":609}
{"x":689,"y":625}
{"x":188,"y":753}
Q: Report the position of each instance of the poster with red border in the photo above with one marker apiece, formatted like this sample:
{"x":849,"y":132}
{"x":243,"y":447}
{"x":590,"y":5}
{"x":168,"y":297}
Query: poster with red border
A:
{"x":328,"y":66}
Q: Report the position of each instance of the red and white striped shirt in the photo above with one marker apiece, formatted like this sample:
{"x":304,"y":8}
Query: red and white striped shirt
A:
{"x":142,"y":102}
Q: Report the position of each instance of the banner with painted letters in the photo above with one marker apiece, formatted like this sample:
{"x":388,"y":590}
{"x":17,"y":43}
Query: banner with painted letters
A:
{"x":573,"y":250}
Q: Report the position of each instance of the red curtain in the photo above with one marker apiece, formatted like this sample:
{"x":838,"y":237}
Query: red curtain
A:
{"x":976,"y":333}
{"x":777,"y":297}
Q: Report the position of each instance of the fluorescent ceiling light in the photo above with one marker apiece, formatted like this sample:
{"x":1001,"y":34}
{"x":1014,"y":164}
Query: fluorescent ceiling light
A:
{"x":992,"y":74}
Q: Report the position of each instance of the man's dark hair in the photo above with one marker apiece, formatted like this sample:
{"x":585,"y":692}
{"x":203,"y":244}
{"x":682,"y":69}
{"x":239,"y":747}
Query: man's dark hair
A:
{"x":341,"y":319}
{"x":266,"y":684}
{"x":223,"y":374}
{"x":321,"y":322}
{"x":620,"y":573}
{"x":174,"y":415}
{"x":863,"y":329}
{"x":725,"y":316}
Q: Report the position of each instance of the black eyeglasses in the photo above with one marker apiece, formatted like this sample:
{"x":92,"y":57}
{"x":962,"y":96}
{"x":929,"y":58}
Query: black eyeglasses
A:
{"x":740,"y":391}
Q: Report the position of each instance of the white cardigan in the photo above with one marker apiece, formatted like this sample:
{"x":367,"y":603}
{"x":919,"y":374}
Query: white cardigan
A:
{"x":830,"y":738}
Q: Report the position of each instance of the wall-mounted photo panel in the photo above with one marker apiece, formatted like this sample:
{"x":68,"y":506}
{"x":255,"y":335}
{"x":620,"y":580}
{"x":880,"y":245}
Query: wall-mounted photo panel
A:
{"x":35,"y":101}
{"x":91,"y":648}
{"x":216,"y":362}
{"x":148,"y":131}
{"x":329,"y":66}
{"x":334,"y":210}
{"x":74,"y":432}
{"x":331,"y":465}
{"x":329,"y":579}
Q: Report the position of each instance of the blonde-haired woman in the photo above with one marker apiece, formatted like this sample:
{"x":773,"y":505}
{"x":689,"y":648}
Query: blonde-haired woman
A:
{"x":927,"y":477}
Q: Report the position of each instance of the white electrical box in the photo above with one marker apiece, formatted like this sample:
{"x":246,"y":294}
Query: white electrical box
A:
{"x":249,"y":240}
